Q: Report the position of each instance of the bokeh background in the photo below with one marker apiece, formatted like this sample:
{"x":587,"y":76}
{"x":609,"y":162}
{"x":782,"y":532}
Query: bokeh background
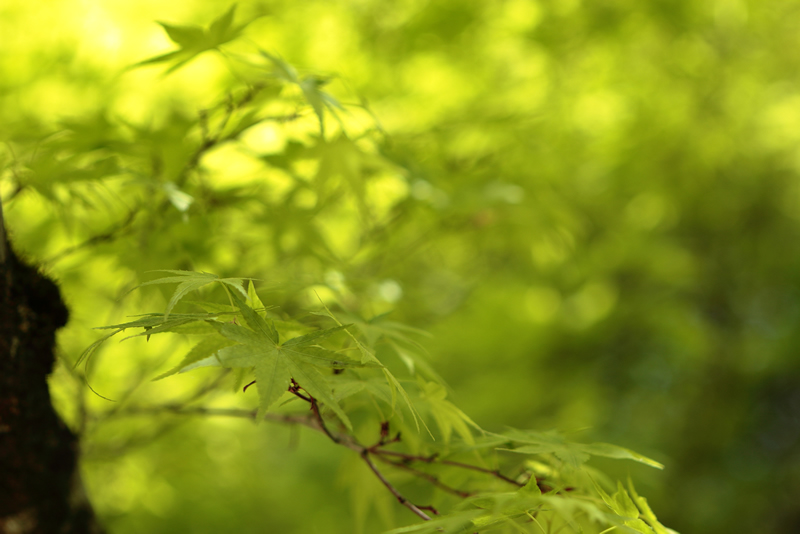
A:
{"x":593,"y":207}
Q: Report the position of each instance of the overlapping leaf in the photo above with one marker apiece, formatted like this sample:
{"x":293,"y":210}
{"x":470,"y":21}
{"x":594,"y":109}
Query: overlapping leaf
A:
{"x":368,"y":357}
{"x":258,"y":345}
{"x":311,"y":87}
{"x":189,"y":281}
{"x":154,"y":323}
{"x":447,"y":415}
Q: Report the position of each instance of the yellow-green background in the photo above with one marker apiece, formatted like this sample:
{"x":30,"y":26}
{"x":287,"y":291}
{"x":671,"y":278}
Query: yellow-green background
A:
{"x":600,"y":217}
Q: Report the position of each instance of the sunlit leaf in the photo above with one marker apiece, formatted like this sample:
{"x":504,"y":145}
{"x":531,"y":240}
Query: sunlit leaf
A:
{"x":313,"y":337}
{"x":253,"y":298}
{"x":647,"y":512}
{"x":613,"y":451}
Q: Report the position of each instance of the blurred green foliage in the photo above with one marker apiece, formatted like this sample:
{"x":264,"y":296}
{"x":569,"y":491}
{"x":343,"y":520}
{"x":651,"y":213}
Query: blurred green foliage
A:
{"x":593,"y":206}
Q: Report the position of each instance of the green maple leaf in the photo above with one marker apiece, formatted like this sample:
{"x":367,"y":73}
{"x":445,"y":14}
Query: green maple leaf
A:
{"x":369,"y":358}
{"x":276,"y":364}
{"x":311,"y":86}
{"x":189,"y":281}
{"x":194,"y":40}
{"x":575,"y":454}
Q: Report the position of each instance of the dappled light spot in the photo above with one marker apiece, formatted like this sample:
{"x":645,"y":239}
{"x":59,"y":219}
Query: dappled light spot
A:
{"x":232,"y":165}
{"x":506,"y":193}
{"x":159,"y":497}
{"x":542,"y":303}
{"x":335,"y":280}
{"x":390,"y":291}
{"x":596,"y":112}
{"x":265,"y":138}
{"x":384,"y":191}
{"x":312,"y":296}
{"x":423,"y":190}
{"x":591,"y":303}
{"x":305,"y":199}
{"x":780,"y":119}
{"x":646,"y":211}
{"x":552,"y":248}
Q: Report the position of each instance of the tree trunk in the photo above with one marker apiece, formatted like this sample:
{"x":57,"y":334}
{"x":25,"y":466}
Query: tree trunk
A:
{"x":40,"y":488}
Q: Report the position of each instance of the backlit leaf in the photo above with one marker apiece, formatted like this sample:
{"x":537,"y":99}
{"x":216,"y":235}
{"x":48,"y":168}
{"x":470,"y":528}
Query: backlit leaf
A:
{"x":613,"y":451}
{"x":313,"y":336}
{"x":260,"y":325}
{"x":202,"y":350}
{"x":272,"y":380}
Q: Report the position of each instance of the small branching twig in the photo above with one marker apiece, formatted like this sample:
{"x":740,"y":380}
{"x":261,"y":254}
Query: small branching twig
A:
{"x":427,"y":476}
{"x":431,"y":509}
{"x":295,"y":389}
{"x":315,"y":421}
{"x":434,"y":458}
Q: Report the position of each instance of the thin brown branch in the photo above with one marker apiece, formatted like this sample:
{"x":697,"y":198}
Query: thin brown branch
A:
{"x":402,"y":500}
{"x":295,"y":388}
{"x":427,"y":476}
{"x":493,"y":472}
{"x":318,"y":416}
{"x":314,"y":421}
{"x":434,"y":459}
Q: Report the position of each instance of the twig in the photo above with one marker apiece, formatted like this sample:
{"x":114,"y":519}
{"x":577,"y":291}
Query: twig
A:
{"x":427,"y":476}
{"x":315,"y":421}
{"x":349,"y":442}
{"x":365,"y":451}
{"x":433,"y":459}
{"x":295,"y":389}
{"x":315,"y":409}
{"x":493,"y":472}
{"x":402,"y":500}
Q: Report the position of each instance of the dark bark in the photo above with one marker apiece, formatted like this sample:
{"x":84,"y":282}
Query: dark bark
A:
{"x":40,"y":488}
